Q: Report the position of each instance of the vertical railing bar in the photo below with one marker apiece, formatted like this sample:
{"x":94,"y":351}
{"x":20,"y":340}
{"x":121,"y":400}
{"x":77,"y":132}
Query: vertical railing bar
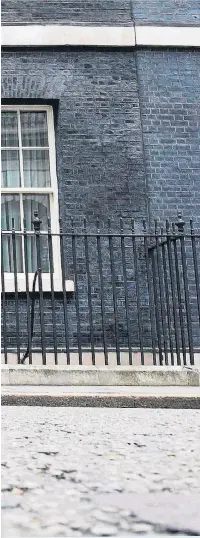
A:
{"x":114,"y":293}
{"x":87,"y":262}
{"x":28,"y":302}
{"x":157,"y":313}
{"x":173,"y":290}
{"x":180,"y":225}
{"x":102,"y":293}
{"x":64,"y":295}
{"x":150,"y":293}
{"x":51,"y":267}
{"x":4,"y":304}
{"x":10,"y":248}
{"x":127,"y":309}
{"x":9,"y":236}
{"x":138,"y":300}
{"x":36,"y":224}
{"x":169,"y":320}
{"x":196,"y":270}
{"x":76,"y":293}
{"x":16,"y":290}
{"x":162,"y":302}
{"x":178,"y":285}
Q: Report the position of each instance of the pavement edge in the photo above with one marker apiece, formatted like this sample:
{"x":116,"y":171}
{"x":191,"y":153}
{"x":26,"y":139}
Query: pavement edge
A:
{"x":104,"y":400}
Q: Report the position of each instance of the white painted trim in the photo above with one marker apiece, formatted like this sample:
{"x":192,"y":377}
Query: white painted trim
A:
{"x":26,"y":190}
{"x":167,"y":36}
{"x":53,"y":199}
{"x":113,"y":36}
{"x":46,"y":284}
{"x":59,"y":35}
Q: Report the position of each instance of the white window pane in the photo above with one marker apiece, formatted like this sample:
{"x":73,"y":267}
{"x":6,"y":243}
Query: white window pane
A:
{"x":9,"y":129}
{"x":36,"y":168}
{"x":10,"y":209}
{"x":32,"y":254}
{"x":39,"y":203}
{"x":10,"y":169}
{"x":7,"y":258}
{"x":34,"y":129}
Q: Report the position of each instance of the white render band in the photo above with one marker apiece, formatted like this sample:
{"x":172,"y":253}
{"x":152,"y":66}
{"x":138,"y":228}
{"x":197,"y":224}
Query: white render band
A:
{"x":114,"y":36}
{"x":68,"y":35}
{"x":168,"y":36}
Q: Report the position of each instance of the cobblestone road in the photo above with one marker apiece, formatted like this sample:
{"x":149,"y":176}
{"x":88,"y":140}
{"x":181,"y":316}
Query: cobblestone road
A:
{"x":100,"y":472}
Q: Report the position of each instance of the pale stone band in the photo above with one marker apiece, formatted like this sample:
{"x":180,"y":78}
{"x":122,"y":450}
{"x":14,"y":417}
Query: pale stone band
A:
{"x":114,"y":36}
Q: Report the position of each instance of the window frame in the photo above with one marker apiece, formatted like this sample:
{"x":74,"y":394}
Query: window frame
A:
{"x":51,"y":191}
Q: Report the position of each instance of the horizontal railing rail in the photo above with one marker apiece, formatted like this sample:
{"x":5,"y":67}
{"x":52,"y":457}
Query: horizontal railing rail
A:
{"x":107,"y":295}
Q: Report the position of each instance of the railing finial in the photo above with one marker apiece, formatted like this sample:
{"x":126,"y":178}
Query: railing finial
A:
{"x":180,"y":223}
{"x":36,"y":221}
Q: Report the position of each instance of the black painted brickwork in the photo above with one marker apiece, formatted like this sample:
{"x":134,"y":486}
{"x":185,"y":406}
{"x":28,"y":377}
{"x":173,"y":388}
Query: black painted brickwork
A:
{"x":98,"y":133}
{"x":99,"y":149}
{"x":170,"y":106}
{"x":99,"y":160}
{"x":101,"y":12}
{"x":166,"y":12}
{"x":77,"y":12}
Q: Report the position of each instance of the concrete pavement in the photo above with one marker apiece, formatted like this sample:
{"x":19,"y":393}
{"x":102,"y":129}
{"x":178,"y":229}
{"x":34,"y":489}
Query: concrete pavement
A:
{"x":72,"y":472}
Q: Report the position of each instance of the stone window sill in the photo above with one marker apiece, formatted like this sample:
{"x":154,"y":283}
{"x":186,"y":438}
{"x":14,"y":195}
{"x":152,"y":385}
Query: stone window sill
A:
{"x":46,"y":283}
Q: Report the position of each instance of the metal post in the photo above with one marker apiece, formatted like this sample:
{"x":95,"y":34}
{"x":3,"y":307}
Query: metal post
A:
{"x":65,"y":306}
{"x":178,"y":285}
{"x":102,"y":292}
{"x":28,"y":301}
{"x":76,"y":293}
{"x":160,"y":283}
{"x":37,"y":223}
{"x":114,"y":292}
{"x":51,"y":268}
{"x":16,"y":289}
{"x":126,"y":291}
{"x":138,"y":300}
{"x":155,"y":279}
{"x":180,"y":225}
{"x":150,"y":293}
{"x":196,"y":270}
{"x":173,"y":290}
{"x":169,"y":320}
{"x":3,"y":303}
{"x":87,"y":261}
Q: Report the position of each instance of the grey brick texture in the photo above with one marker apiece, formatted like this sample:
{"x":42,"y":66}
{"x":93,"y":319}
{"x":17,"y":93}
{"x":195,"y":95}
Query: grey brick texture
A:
{"x":166,"y":12}
{"x":127,"y":140}
{"x":78,"y":12}
{"x":169,"y":84}
{"x":98,"y":132}
{"x":101,"y":12}
{"x":100,"y":166}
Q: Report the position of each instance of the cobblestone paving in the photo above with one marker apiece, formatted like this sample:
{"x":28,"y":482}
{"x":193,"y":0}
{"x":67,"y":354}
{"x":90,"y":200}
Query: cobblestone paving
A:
{"x":100,"y":472}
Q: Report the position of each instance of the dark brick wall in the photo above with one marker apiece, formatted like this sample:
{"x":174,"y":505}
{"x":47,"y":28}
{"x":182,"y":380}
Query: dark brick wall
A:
{"x":97,"y":12}
{"x":169,"y":84}
{"x":99,"y":162}
{"x":100,"y":159}
{"x":101,"y":12}
{"x":98,"y":133}
{"x":172,"y":12}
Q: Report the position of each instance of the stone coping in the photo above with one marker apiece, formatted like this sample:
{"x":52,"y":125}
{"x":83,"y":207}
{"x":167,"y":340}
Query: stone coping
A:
{"x":100,"y":376}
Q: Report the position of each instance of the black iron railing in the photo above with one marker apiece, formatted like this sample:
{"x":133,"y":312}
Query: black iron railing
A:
{"x":122,"y":295}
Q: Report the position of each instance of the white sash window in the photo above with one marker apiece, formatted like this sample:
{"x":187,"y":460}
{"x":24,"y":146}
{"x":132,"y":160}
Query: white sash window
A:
{"x":29,"y":184}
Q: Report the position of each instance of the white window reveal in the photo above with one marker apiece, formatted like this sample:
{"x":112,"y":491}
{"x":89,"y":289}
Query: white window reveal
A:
{"x":29,"y":184}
